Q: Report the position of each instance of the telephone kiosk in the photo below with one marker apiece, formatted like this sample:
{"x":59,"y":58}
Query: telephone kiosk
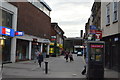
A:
{"x":95,"y":60}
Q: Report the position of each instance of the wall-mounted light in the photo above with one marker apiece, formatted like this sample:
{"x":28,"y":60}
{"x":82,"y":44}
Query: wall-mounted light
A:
{"x":2,"y":42}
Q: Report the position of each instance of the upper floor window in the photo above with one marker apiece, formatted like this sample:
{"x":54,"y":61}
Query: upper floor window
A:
{"x":6,"y":19}
{"x":115,"y":11}
{"x":108,"y":14}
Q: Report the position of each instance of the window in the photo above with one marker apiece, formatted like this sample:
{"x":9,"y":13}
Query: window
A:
{"x":6,"y":19}
{"x":108,"y":14}
{"x":115,"y":11}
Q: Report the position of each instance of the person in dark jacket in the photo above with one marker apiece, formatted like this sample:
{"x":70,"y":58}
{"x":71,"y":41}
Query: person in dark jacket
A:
{"x":40,"y":59}
{"x":66,"y":55}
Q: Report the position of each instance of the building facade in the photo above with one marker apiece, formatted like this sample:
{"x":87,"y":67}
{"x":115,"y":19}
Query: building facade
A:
{"x":9,"y":22}
{"x":111,"y":33}
{"x":94,"y":22}
{"x":32,"y":18}
{"x":74,"y":44}
{"x":105,"y":16}
{"x":57,"y":40}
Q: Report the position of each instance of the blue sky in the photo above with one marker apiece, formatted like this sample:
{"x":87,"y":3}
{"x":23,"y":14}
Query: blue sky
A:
{"x":71,"y":15}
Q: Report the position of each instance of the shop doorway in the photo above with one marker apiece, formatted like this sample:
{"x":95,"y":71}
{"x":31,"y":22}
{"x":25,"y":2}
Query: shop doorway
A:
{"x":6,"y":49}
{"x":115,"y":55}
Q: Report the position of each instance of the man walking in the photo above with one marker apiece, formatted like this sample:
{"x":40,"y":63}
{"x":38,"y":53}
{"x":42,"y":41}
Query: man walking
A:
{"x":40,"y":58}
{"x":66,"y":55}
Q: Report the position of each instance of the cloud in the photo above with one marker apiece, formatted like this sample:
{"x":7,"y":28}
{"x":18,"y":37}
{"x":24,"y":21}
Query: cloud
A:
{"x":71,"y":15}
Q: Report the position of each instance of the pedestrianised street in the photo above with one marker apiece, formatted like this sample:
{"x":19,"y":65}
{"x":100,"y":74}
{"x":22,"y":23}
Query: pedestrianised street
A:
{"x":57,"y":68}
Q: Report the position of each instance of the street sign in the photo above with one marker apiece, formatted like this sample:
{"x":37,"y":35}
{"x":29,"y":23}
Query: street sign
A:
{"x":93,"y":27}
{"x":92,"y":31}
{"x":53,"y":36}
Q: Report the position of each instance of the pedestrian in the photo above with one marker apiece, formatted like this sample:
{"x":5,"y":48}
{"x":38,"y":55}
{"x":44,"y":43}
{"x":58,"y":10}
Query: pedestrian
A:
{"x":66,"y":55}
{"x":71,"y":57}
{"x":85,"y":59}
{"x":84,"y":70}
{"x":40,"y":58}
{"x":36,"y":55}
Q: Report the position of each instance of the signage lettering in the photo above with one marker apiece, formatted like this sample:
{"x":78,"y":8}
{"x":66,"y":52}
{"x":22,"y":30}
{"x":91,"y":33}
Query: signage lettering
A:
{"x":6,"y":31}
{"x":98,"y":34}
{"x":96,"y":46}
{"x":19,"y":33}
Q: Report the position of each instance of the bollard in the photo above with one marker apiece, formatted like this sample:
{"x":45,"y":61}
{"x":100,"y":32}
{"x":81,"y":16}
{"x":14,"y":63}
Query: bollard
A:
{"x":46,"y":67}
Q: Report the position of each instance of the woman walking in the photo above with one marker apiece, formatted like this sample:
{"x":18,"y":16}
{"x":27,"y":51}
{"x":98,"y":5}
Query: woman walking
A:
{"x":71,"y":57}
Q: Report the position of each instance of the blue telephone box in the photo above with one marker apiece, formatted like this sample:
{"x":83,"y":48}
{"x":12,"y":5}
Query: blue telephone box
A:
{"x":95,"y":59}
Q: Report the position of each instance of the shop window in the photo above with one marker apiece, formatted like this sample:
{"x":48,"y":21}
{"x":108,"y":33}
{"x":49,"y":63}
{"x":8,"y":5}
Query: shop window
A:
{"x":96,"y":54}
{"x":22,"y":52}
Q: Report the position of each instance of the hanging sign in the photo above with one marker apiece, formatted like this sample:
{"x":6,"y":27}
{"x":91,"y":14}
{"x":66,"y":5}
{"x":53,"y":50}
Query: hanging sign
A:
{"x":6,"y":31}
{"x":19,"y":33}
{"x":98,"y":35}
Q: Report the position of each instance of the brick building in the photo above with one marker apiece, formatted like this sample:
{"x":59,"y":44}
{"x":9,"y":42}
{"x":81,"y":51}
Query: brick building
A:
{"x":57,"y":40}
{"x":111,"y":33}
{"x":33,"y":18}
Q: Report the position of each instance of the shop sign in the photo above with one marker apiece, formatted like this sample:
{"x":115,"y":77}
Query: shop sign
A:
{"x":57,"y":45}
{"x":98,"y":34}
{"x":96,"y":46}
{"x":53,"y":36}
{"x":6,"y":31}
{"x":61,"y":45}
{"x":19,"y":33}
{"x":53,"y":39}
{"x":51,"y":43}
{"x":46,"y":41}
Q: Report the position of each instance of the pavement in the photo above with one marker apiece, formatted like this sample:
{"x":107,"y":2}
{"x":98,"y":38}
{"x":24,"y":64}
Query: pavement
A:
{"x":57,"y":68}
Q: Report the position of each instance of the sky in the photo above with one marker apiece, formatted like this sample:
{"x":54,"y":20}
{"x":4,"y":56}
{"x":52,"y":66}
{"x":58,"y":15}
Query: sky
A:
{"x":71,"y":15}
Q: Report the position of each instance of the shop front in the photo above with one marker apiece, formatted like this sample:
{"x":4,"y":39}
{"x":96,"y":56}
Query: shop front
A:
{"x":112,"y":51}
{"x":8,"y":26}
{"x":6,"y":49}
{"x":35,"y":46}
{"x":1,"y":43}
{"x":6,"y":34}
